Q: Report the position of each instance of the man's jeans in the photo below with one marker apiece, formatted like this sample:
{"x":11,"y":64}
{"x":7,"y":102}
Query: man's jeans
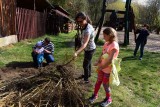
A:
{"x":141,"y":45}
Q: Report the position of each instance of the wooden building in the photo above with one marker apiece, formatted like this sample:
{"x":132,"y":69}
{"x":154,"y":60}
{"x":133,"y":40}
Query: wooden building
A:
{"x":24,"y":19}
{"x":58,"y":21}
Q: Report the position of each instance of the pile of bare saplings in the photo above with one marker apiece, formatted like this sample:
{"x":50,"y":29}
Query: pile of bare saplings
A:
{"x":53,"y":86}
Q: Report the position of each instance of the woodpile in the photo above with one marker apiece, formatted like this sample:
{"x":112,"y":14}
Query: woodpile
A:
{"x":53,"y":86}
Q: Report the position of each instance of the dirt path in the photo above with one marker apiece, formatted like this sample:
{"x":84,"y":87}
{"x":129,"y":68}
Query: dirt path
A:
{"x":153,"y":42}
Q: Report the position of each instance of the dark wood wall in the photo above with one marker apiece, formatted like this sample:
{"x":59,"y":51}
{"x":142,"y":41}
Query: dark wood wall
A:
{"x":30,"y":23}
{"x":7,"y":17}
{"x":28,"y":19}
{"x":22,"y":22}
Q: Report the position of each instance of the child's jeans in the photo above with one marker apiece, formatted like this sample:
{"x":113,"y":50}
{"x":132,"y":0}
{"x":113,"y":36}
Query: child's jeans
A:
{"x":102,"y":78}
{"x":40,"y":58}
{"x":141,"y":45}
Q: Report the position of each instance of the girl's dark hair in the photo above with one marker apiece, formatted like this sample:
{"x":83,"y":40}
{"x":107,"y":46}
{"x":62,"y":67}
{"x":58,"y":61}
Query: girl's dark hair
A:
{"x":83,"y":16}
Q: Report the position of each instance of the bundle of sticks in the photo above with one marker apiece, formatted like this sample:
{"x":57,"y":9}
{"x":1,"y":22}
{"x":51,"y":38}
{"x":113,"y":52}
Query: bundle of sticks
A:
{"x":53,"y":86}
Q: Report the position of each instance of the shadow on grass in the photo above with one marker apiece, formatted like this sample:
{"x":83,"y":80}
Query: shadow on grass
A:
{"x":97,"y":104}
{"x":15,"y":64}
{"x":67,"y":44}
{"x":129,"y":58}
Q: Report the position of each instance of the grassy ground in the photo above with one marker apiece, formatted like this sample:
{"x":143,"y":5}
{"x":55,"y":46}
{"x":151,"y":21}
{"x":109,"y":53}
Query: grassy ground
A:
{"x":139,"y":79}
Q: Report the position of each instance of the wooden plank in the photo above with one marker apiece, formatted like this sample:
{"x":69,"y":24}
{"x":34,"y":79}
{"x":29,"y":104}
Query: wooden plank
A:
{"x":24,"y":24}
{"x":1,"y":18}
{"x":20,"y":24}
{"x":18,"y":21}
{"x":30,"y":23}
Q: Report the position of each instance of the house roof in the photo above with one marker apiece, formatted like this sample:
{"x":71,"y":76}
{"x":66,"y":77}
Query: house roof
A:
{"x":57,"y":7}
{"x":39,"y":5}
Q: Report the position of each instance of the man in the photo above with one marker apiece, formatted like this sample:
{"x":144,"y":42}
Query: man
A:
{"x":141,"y":40}
{"x":48,"y":52}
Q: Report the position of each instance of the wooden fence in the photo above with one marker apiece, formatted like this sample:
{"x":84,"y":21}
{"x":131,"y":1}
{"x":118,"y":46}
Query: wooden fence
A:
{"x":30,"y":23}
{"x":21,"y":22}
{"x":7,"y":17}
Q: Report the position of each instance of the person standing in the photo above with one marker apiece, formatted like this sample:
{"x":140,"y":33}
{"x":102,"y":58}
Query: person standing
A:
{"x":87,"y":43}
{"x":110,"y":52}
{"x":141,"y":40}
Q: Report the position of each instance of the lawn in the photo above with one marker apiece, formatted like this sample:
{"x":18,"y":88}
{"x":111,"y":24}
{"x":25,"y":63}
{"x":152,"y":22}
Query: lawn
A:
{"x":140,"y":82}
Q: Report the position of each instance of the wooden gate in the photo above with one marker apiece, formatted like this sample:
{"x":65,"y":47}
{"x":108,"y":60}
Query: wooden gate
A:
{"x":30,"y":23}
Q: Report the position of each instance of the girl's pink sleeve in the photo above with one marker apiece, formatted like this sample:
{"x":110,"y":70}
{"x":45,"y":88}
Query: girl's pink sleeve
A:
{"x":115,"y":45}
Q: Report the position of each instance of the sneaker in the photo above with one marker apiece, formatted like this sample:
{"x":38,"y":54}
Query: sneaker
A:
{"x":140,"y":58}
{"x":106,"y":102}
{"x":93,"y":98}
{"x":86,"y":81}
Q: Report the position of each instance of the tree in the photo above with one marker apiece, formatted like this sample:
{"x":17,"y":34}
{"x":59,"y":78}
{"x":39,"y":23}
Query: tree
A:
{"x":75,"y":6}
{"x":150,"y":13}
{"x":58,"y":2}
{"x":94,"y":10}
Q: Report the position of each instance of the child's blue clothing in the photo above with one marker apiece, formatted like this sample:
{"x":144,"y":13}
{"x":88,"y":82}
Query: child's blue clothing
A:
{"x":40,"y":56}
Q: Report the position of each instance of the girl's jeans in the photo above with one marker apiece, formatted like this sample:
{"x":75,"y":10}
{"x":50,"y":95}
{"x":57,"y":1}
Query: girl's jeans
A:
{"x":87,"y":63}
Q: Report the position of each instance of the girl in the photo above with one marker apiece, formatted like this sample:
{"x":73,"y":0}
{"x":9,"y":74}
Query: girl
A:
{"x":88,"y":44}
{"x":110,"y":51}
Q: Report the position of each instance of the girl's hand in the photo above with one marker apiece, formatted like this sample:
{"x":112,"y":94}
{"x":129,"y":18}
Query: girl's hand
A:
{"x":99,"y":68}
{"x":75,"y":54}
{"x":96,"y":63}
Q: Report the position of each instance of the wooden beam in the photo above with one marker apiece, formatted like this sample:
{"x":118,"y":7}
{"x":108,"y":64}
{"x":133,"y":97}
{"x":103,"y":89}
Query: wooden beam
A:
{"x":101,"y":20}
{"x":117,"y":11}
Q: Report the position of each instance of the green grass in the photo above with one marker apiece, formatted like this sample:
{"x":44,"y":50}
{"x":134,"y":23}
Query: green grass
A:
{"x":139,"y":79}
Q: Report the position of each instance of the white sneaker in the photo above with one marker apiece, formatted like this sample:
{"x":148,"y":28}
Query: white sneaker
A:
{"x":140,"y":58}
{"x":106,"y":103}
{"x":92,"y":99}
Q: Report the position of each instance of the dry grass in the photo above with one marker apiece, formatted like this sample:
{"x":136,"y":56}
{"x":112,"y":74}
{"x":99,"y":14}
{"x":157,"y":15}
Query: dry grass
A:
{"x":53,"y":86}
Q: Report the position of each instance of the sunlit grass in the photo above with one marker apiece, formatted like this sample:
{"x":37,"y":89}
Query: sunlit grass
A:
{"x":139,"y":79}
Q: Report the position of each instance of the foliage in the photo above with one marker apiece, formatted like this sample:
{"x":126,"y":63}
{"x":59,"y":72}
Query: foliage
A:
{"x":90,"y":7}
{"x":95,"y":10}
{"x":118,"y":6}
{"x":72,"y":6}
{"x":149,"y":13}
{"x":75,"y":6}
{"x":58,"y":2}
